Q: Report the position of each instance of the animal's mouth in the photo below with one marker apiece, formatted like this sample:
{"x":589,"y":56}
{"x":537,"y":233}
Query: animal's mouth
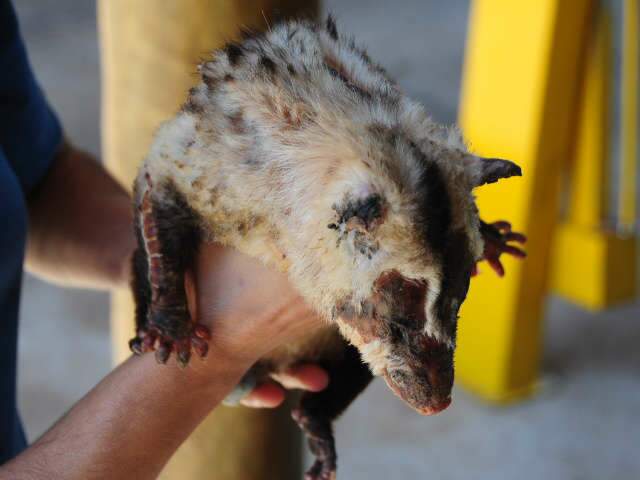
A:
{"x":417,"y":396}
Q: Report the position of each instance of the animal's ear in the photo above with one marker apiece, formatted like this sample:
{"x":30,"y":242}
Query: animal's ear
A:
{"x":490,"y":170}
{"x":362,"y":214}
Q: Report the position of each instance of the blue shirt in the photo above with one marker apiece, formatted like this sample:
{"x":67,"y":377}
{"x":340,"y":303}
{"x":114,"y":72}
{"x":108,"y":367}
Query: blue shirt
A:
{"x":29,"y":136}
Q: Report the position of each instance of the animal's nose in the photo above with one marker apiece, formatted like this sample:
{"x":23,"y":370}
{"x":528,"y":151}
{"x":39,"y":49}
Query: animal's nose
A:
{"x":436,"y":407}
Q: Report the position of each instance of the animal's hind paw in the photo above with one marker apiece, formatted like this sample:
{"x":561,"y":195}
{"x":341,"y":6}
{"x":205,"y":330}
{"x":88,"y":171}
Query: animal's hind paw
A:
{"x":154,"y":339}
{"x":320,"y":471}
{"x":321,"y":443}
{"x":497,"y":238}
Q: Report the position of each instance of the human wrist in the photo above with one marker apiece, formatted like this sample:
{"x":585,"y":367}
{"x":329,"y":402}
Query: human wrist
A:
{"x":234,"y":355}
{"x":211,"y":378}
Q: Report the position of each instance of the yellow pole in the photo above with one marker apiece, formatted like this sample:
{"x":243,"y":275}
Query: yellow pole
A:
{"x":629,"y":164}
{"x":521,"y":77}
{"x":589,"y":177}
{"x":149,"y":55}
{"x":592,"y":265}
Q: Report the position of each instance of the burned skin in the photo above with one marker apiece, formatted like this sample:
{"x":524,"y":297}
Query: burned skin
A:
{"x":394,"y":316}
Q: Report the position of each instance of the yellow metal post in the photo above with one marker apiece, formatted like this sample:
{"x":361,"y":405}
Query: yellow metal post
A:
{"x":589,"y":182}
{"x":149,"y":55}
{"x":521,"y":78}
{"x":630,"y":64}
{"x":592,"y":265}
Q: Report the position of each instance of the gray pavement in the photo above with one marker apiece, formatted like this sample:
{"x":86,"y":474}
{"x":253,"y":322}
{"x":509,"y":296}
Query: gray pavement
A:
{"x":583,"y":425}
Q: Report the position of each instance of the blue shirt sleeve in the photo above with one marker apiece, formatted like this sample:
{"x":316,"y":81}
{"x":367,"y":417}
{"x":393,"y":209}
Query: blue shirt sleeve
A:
{"x":30,"y":133}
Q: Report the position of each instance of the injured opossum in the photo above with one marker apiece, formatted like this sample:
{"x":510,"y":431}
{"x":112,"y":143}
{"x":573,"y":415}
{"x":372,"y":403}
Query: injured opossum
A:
{"x":299,"y":150}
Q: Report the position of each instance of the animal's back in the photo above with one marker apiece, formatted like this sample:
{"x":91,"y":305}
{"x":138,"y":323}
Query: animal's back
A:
{"x":226,"y":151}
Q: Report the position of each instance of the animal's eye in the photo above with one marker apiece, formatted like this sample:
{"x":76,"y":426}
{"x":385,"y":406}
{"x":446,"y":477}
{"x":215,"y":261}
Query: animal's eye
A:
{"x":363,"y":214}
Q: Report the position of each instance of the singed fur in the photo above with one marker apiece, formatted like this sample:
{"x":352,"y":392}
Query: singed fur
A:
{"x":288,"y":127}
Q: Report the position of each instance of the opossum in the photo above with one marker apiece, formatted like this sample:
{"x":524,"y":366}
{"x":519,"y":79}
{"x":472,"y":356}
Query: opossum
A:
{"x":297,"y":149}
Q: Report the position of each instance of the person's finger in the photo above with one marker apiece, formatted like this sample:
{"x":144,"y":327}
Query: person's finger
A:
{"x":515,"y":251}
{"x":305,"y":376}
{"x":515,"y":237}
{"x":266,"y":395}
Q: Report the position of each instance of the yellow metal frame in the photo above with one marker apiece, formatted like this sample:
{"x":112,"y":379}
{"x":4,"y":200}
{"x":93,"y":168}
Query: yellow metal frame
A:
{"x":589,"y":172}
{"x":629,"y":164}
{"x":592,"y":266}
{"x":520,"y":85}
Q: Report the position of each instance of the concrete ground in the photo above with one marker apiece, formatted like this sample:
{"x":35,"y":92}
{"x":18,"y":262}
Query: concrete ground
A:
{"x":584,"y":425}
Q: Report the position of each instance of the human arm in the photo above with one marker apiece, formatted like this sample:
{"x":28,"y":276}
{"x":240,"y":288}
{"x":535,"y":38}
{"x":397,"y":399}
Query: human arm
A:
{"x":132,"y":422}
{"x":80,"y":230}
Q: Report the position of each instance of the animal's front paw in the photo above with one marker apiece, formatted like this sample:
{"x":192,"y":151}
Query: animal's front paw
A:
{"x":155,"y":338}
{"x":496,"y":237}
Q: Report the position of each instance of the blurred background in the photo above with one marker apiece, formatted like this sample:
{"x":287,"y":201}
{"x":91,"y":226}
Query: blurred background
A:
{"x":583,"y":424}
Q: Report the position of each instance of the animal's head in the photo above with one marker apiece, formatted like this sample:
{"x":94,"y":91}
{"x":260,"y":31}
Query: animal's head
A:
{"x":402,"y":238}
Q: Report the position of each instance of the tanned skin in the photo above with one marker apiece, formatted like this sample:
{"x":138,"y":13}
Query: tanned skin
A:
{"x":109,"y":436}
{"x":80,"y":230}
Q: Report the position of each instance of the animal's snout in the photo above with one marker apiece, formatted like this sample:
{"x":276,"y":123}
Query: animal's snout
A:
{"x":424,"y":381}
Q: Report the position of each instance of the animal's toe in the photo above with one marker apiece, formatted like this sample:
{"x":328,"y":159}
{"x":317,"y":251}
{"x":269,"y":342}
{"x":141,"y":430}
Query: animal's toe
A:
{"x":201,"y":331}
{"x":200,"y":346}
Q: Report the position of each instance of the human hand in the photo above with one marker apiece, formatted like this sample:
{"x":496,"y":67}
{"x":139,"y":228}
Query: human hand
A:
{"x":250,"y":310}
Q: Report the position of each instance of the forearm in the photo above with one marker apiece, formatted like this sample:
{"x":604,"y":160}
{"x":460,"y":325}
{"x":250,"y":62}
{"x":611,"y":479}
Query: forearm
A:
{"x":80,"y":229}
{"x":131,"y":423}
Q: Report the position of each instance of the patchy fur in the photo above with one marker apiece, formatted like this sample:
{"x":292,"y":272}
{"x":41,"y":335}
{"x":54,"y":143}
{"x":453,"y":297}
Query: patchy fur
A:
{"x":300,"y":151}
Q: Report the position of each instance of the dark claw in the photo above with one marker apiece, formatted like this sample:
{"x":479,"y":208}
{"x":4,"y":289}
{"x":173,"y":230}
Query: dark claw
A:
{"x":163,"y":352}
{"x":183,"y":354}
{"x":136,"y":346}
{"x":183,"y":357}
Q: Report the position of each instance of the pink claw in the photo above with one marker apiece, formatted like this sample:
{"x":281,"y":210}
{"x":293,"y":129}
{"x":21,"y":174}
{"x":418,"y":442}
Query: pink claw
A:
{"x":202,"y":332}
